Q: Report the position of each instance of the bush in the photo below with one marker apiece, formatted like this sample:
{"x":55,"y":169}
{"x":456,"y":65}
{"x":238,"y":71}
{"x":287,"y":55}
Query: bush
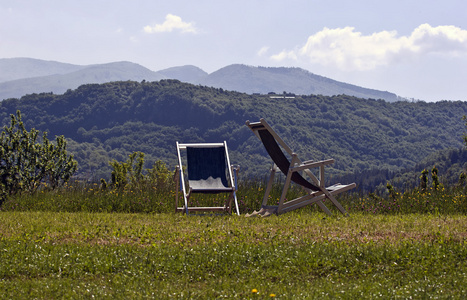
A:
{"x":25,"y":163}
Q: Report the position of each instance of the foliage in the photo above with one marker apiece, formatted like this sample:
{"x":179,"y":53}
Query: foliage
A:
{"x":133,"y":175}
{"x":450,"y":165}
{"x":127,"y":172}
{"x":464,"y":135}
{"x":25,"y":163}
{"x":424,"y":179}
{"x":434,"y":177}
{"x":362,"y":135}
{"x":156,"y":194}
{"x":430,"y":201}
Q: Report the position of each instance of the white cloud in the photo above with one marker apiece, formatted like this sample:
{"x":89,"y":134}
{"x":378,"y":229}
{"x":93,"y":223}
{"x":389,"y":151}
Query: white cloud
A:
{"x":348,"y":49}
{"x":172,"y":22}
{"x":263,"y":51}
{"x":441,"y":39}
{"x":285,"y":55}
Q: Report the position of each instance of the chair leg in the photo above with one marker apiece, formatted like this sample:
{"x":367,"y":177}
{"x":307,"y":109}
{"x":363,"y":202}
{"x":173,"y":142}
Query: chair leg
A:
{"x":269,"y":186}
{"x":236,"y":203}
{"x":324,"y":208}
{"x":284,"y":191}
{"x":187,"y":199}
{"x":177,"y":187}
{"x":336,"y":203}
{"x":228,"y":204}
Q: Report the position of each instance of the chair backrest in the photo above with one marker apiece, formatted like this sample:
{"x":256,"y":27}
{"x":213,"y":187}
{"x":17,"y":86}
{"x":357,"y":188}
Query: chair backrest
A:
{"x":270,"y":141}
{"x":207,"y":167}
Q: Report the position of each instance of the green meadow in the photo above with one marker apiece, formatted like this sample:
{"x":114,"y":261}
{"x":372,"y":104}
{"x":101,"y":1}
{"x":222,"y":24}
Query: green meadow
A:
{"x":83,"y":241}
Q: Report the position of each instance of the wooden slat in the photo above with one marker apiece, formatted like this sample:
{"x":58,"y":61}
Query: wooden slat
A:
{"x":316,"y":196}
{"x":201,"y":145}
{"x":301,"y":199}
{"x":304,"y":203}
{"x":312,"y":165}
{"x":202,"y":208}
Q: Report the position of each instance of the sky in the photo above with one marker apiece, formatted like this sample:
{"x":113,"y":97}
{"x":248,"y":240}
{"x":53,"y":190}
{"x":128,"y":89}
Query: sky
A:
{"x":416,"y":49}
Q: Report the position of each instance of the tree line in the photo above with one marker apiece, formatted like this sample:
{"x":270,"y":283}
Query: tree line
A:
{"x":104,"y":122}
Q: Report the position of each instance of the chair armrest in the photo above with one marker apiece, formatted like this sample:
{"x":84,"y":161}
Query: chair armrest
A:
{"x":309,"y":165}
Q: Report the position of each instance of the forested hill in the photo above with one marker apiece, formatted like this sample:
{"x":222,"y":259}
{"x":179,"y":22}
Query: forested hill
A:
{"x":111,"y":120}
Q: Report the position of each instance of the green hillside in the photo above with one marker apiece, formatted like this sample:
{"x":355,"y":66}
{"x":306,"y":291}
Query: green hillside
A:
{"x":109,"y":121}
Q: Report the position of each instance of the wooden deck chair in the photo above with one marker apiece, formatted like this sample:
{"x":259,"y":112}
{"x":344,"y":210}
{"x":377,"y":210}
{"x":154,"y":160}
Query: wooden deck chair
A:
{"x":292,"y":169}
{"x":209,"y":172}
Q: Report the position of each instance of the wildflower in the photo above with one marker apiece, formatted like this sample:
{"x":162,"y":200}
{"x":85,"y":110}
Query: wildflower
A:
{"x":272,"y":295}
{"x":254,"y":291}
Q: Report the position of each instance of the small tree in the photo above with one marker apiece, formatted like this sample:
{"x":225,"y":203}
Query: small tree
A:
{"x":462,"y":179}
{"x":424,"y":179}
{"x":392,"y":192}
{"x":434,"y":177}
{"x":25,"y":162}
{"x":132,"y":174}
{"x":128,"y":172}
{"x":159,"y":175}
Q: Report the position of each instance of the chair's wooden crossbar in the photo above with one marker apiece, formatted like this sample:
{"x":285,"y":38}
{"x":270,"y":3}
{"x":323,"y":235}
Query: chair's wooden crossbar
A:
{"x":200,"y":145}
{"x":211,"y":208}
{"x":297,"y":166}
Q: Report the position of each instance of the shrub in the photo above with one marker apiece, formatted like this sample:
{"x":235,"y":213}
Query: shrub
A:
{"x":25,"y":163}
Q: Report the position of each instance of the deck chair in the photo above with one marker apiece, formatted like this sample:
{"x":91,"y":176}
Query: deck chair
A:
{"x":293,"y":169}
{"x":209,"y":172}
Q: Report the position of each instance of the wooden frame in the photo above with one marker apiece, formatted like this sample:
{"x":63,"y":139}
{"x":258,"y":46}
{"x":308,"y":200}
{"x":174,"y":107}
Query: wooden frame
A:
{"x":183,"y":185}
{"x":316,"y":190}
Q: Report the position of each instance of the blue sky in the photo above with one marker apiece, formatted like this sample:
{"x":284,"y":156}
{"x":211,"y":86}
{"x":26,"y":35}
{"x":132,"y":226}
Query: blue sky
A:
{"x":416,"y":49}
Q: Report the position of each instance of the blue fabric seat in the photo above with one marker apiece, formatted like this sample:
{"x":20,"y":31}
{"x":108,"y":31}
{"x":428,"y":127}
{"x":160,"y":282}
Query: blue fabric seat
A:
{"x":209,"y":172}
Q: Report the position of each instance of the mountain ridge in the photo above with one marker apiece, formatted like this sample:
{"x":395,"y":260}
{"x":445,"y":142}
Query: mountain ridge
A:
{"x":24,"y":67}
{"x":60,"y":83}
{"x":38,"y":76}
{"x":283,"y":79}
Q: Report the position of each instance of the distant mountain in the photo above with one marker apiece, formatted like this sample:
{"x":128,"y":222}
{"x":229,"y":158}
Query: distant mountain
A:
{"x":190,"y":74}
{"x":264,"y":80}
{"x":20,"y":68}
{"x":21,"y":76}
{"x":60,"y":83}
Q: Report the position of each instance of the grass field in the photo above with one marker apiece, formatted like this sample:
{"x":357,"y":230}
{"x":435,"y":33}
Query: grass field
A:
{"x":86,"y":241}
{"x":299,"y":255}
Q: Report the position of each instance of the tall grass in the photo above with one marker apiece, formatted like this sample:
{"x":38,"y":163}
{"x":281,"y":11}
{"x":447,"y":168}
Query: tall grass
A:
{"x":85,"y":197}
{"x":452,"y":200}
